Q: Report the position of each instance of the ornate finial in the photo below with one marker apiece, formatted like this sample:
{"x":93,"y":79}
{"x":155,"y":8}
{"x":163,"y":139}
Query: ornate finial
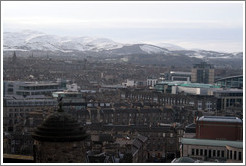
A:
{"x":60,"y":103}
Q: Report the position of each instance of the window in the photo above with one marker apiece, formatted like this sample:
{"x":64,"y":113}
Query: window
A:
{"x":205,"y":152}
{"x":214,"y":153}
{"x":199,"y":105}
{"x":197,"y":151}
{"x":201,"y":152}
{"x":239,"y":156}
{"x":179,"y":139}
{"x":193,"y":151}
{"x":230,"y":154}
{"x":218,"y":153}
{"x":10,"y":115}
{"x":222,"y":153}
{"x":235,"y":155}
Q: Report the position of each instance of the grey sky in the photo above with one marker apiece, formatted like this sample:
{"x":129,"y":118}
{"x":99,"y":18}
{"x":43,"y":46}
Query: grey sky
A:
{"x":214,"y":25}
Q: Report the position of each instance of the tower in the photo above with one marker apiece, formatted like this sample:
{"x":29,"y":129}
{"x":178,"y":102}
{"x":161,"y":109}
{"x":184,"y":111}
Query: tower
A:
{"x":202,"y":73}
{"x":60,"y":139}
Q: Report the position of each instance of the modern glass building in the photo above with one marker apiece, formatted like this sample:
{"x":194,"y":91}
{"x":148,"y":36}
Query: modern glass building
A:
{"x":231,"y":82}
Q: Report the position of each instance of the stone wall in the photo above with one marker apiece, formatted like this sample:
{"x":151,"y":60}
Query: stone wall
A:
{"x":59,"y":152}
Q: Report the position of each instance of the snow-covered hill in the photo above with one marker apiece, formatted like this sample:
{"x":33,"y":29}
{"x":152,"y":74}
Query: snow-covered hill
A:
{"x":170,"y":47}
{"x":28,"y":40}
{"x":152,"y":49}
{"x":33,"y":40}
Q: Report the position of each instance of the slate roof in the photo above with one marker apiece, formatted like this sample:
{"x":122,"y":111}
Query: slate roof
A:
{"x":208,"y":142}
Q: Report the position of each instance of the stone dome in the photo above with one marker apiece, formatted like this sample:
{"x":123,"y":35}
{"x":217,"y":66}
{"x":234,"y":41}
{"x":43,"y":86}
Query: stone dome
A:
{"x":60,"y":127}
{"x":184,"y":160}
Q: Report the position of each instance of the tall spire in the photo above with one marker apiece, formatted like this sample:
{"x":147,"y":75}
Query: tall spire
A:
{"x":60,"y":103}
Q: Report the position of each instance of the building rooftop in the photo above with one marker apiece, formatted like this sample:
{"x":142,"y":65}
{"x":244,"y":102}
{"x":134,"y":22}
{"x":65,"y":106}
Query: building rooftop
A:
{"x":220,"y":119}
{"x":180,"y":72}
{"x":231,"y":90}
{"x":67,"y":92}
{"x":203,"y":65}
{"x":188,"y":84}
{"x":172,"y":82}
{"x":208,"y":142}
{"x":191,"y":128}
{"x":19,"y":97}
{"x":230,"y":77}
{"x":199,"y":85}
{"x":40,"y":84}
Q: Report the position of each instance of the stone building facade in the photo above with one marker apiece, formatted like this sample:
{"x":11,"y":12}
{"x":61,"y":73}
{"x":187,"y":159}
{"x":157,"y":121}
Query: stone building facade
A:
{"x":212,"y":150}
{"x":199,"y":102}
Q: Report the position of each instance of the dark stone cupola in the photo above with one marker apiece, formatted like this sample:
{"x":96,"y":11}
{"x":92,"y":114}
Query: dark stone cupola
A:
{"x":60,"y":127}
{"x":60,"y":139}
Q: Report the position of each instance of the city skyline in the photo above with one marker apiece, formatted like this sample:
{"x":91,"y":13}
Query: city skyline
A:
{"x":214,"y":26}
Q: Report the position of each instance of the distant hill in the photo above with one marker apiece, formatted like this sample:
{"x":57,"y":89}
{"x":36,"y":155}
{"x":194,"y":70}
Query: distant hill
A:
{"x":163,"y":53}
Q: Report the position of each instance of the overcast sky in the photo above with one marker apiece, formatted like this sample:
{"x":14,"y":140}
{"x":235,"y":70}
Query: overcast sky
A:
{"x":208,"y":25}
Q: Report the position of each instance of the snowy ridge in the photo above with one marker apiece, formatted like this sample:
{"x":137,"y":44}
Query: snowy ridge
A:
{"x":32,"y":40}
{"x":152,"y":49}
{"x":170,"y":47}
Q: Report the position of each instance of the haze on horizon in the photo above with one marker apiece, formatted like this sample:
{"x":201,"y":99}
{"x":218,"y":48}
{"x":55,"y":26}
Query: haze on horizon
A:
{"x":217,"y":26}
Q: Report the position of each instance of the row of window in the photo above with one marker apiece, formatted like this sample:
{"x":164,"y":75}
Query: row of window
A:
{"x":97,"y":104}
{"x":52,"y":87}
{"x":233,"y":155}
{"x":236,"y":155}
{"x":27,"y":103}
{"x":208,"y":152}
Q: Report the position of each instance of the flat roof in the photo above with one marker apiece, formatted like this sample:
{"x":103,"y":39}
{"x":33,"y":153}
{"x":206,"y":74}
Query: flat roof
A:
{"x":172,"y":82}
{"x":189,"y":84}
{"x":209,"y":142}
{"x":228,"y":119}
{"x":180,"y":72}
{"x":231,"y":90}
{"x":230,"y":77}
{"x":39,"y":84}
{"x":67,"y":92}
{"x":199,"y":85}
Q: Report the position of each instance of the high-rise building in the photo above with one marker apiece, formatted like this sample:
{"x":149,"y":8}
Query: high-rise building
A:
{"x":202,"y":73}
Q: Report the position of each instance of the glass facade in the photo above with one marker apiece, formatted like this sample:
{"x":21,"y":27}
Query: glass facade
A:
{"x":231,"y":82}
